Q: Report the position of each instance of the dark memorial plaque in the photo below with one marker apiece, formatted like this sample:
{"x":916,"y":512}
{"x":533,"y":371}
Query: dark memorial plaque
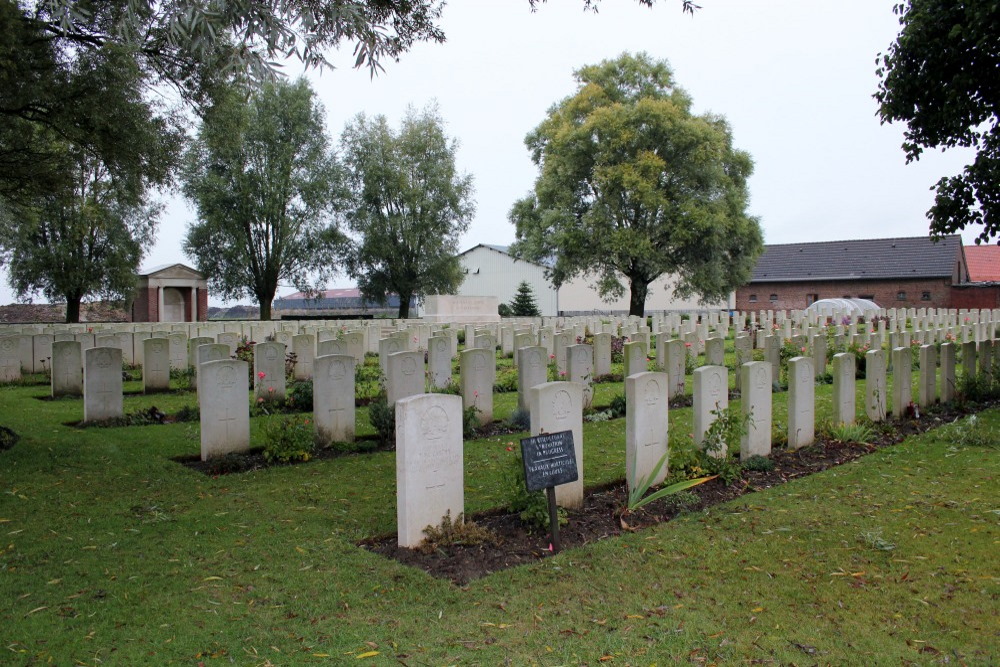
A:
{"x":549,"y":460}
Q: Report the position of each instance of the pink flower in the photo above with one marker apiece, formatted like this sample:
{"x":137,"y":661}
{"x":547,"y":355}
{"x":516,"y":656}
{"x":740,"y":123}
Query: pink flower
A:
{"x":510,"y":449}
{"x":562,"y":373}
{"x":262,"y":375}
{"x":552,"y":356}
{"x":271,"y":389}
{"x":475,"y":393}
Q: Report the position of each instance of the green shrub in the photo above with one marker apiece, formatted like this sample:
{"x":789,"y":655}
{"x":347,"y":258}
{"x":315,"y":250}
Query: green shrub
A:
{"x":531,"y":506}
{"x":971,"y":432}
{"x":382,"y":417}
{"x":856,"y":432}
{"x":289,"y":439}
{"x":618,"y":406}
{"x":299,"y":396}
{"x":520,"y":420}
{"x":506,"y":380}
{"x":470,"y":421}
{"x":189,"y":413}
{"x":758,"y":463}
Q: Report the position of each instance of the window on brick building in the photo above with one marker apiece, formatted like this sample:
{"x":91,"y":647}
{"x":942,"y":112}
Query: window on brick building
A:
{"x":773,"y":297}
{"x":901,"y":296}
{"x":811,"y":299}
{"x":753,"y":298}
{"x":870,"y":297}
{"x":925,"y":296}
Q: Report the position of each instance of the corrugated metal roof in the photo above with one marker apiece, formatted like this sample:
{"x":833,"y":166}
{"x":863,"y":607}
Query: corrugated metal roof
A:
{"x":983,"y":262}
{"x":862,"y":259}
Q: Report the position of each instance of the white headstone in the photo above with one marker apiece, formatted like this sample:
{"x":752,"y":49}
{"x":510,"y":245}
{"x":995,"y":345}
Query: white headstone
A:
{"x":557,"y":407}
{"x":333,"y":398}
{"x":269,"y":371}
{"x":756,"y":405}
{"x":844,"y":388}
{"x":580,"y":369}
{"x":102,"y":384}
{"x":801,"y":402}
{"x":645,"y":426}
{"x":711,"y":396}
{"x":902,"y":381}
{"x":429,"y":464}
{"x":532,"y":370}
{"x":876,"y":385}
{"x":225,"y":411}
{"x":156,"y":365}
{"x":477,"y":371}
{"x":405,"y":376}
{"x":67,"y":368}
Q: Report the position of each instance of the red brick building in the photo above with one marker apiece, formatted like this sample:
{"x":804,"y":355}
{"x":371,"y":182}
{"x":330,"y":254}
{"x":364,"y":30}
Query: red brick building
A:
{"x":911,"y":272}
{"x":983,"y":288}
{"x":170,"y":293}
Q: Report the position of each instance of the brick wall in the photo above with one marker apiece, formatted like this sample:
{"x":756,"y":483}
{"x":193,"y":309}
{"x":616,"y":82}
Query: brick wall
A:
{"x":146,"y":306}
{"x":202,"y":305}
{"x":985,"y":296}
{"x":794,"y":296}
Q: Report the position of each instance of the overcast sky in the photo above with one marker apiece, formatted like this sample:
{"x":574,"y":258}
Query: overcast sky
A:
{"x":794,"y":78}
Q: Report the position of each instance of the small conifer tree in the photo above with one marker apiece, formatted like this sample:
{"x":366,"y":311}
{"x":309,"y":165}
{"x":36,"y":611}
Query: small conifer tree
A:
{"x":523,"y":304}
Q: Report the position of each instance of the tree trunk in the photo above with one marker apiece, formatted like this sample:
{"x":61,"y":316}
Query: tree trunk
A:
{"x":73,"y":309}
{"x":404,"y":306}
{"x":637,"y":297}
{"x":264,"y":301}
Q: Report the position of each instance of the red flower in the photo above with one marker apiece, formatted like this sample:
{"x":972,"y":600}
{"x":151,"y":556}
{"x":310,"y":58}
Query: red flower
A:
{"x":262,"y":375}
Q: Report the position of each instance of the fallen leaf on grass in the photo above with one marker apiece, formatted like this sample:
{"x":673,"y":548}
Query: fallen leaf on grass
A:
{"x":369,"y":654}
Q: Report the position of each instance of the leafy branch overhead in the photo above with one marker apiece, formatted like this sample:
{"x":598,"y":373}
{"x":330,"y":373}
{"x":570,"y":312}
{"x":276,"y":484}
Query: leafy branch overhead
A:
{"x":634,"y":186}
{"x":940,"y":78}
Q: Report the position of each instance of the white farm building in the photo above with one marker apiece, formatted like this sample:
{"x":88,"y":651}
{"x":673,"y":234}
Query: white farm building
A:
{"x":490,"y":270}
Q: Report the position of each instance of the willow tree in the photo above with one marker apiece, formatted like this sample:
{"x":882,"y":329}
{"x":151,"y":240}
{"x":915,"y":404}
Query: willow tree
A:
{"x":264,"y":181}
{"x":408,"y":207}
{"x":633,"y":186}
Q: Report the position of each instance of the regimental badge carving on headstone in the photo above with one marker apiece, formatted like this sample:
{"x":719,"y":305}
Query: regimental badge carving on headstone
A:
{"x":337,"y":370}
{"x":409,"y":366}
{"x":434,"y":423}
{"x":227,"y":377}
{"x":104,"y":359}
{"x":562,"y":405}
{"x":652,"y":392}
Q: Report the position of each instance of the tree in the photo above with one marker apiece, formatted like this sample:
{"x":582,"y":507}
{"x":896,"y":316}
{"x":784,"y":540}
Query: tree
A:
{"x":78,"y":161}
{"x":264,"y":182}
{"x":523,"y":304}
{"x":634,"y":186}
{"x":83,"y":240}
{"x":408,"y":206}
{"x":940,"y":78}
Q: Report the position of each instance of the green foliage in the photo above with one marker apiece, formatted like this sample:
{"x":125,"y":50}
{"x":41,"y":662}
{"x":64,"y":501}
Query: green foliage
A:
{"x":184,"y":377}
{"x":972,"y":432}
{"x":618,"y":405}
{"x":506,"y":380}
{"x":637,"y":489}
{"x":758,"y":463}
{"x":958,"y":44}
{"x":724,"y":434}
{"x":470,"y":421}
{"x":408,"y":205}
{"x":288,"y":439}
{"x":524,"y":304}
{"x":531,"y":506}
{"x":979,"y":388}
{"x":84,"y":239}
{"x":857,"y":432}
{"x":263,"y":181}
{"x":633,"y":185}
{"x":299,"y":396}
{"x":382,"y":417}
{"x":455,"y":533}
{"x":520,"y":419}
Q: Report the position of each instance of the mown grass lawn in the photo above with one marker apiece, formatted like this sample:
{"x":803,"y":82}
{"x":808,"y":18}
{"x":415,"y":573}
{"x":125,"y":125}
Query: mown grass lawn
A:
{"x":112,"y":553}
